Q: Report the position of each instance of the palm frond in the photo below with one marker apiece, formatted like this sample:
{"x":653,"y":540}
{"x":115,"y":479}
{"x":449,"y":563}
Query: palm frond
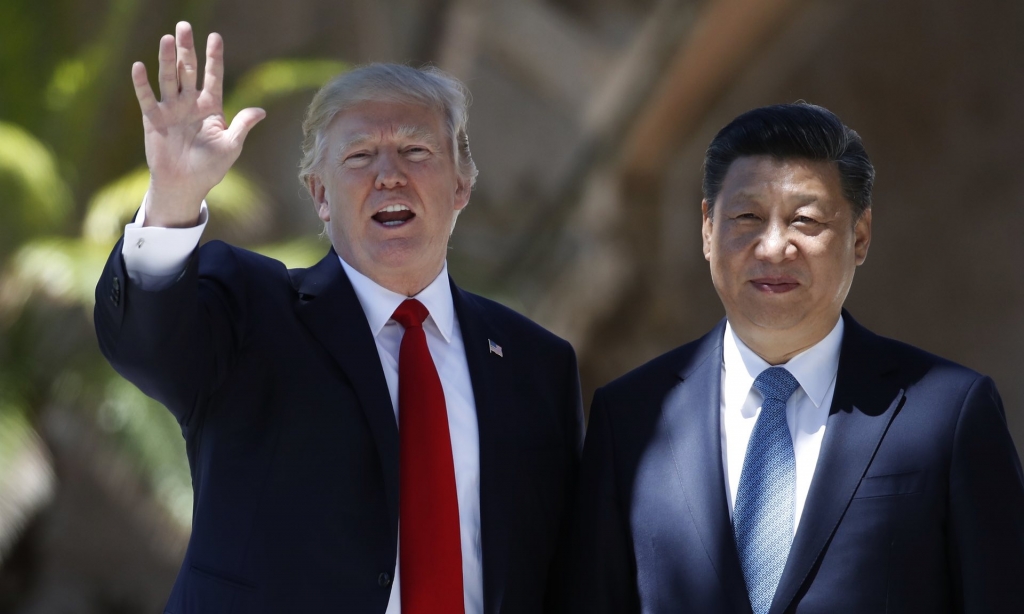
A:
{"x":148,"y":434}
{"x":27,"y":481}
{"x":303,"y":252}
{"x":62,"y":269}
{"x":113,"y":205}
{"x":35,"y":195}
{"x":237,"y":198}
{"x":278,"y":78}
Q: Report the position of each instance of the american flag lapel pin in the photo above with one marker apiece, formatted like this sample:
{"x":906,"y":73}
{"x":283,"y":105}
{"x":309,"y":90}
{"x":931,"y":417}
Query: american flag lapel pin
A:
{"x":494,"y":348}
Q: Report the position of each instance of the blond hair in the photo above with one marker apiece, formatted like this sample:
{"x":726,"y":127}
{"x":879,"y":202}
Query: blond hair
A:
{"x":429,"y":86}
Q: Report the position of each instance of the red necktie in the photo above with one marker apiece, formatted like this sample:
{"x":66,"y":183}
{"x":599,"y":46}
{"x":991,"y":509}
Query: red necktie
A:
{"x":431,"y":557}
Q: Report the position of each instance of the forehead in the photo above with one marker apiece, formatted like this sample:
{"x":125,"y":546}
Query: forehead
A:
{"x":766,"y":177}
{"x":372,"y":121}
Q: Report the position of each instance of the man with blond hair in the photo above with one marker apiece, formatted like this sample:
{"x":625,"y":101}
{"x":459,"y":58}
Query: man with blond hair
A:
{"x":363,"y":435}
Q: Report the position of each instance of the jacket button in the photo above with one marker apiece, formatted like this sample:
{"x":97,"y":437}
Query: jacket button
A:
{"x":384,"y":579}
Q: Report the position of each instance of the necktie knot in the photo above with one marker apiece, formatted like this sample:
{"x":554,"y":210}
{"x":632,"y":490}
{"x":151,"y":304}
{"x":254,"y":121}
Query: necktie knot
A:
{"x":776,"y":383}
{"x":411,"y":313}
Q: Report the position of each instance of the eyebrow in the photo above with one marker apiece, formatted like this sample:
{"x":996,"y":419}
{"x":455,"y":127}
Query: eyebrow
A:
{"x":403,"y":133}
{"x":806,"y":197}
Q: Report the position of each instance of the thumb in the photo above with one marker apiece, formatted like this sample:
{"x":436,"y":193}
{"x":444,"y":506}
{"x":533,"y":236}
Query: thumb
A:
{"x":243,"y":122}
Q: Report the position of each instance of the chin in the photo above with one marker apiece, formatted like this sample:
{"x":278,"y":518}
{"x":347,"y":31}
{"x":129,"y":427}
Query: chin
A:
{"x":398,"y":252}
{"x":406,"y":256}
{"x":394,"y":263}
{"x":774,"y":318}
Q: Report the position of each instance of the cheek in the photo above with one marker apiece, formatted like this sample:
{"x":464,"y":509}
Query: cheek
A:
{"x":832,"y":264}
{"x":348,"y":197}
{"x":734,"y":239}
{"x":731,"y":252}
{"x":352,"y":181}
{"x":437,"y":184}
{"x":726,"y":270}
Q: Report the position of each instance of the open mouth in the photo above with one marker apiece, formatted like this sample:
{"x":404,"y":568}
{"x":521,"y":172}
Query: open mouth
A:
{"x":393,"y":215}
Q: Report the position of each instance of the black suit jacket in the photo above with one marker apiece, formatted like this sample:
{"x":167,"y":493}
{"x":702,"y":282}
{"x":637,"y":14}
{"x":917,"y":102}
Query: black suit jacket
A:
{"x":276,"y":382}
{"x":916,"y":504}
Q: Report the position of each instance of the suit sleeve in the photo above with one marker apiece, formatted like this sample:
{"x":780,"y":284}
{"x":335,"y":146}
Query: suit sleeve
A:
{"x":177,"y":343}
{"x":986,"y":507}
{"x":603,"y":569}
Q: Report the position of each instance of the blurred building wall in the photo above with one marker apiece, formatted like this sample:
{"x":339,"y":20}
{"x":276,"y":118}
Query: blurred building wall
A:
{"x":936,"y":91}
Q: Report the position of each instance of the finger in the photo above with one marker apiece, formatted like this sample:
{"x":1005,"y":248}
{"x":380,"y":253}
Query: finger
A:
{"x":143,"y":91}
{"x":187,"y":66}
{"x":213,"y":80}
{"x":243,"y":123}
{"x":168,"y":71}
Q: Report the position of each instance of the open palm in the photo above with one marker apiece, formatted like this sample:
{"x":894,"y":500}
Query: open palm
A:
{"x":189,"y":146}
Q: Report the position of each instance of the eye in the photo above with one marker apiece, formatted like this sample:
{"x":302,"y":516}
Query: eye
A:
{"x":357,"y":159}
{"x":747,"y":216}
{"x":417,"y":152}
{"x":803,"y":219}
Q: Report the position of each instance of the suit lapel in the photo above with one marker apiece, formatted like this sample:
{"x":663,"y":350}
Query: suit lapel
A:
{"x":329,"y":308}
{"x":691,"y":416}
{"x":493,"y":456}
{"x":863,"y":406}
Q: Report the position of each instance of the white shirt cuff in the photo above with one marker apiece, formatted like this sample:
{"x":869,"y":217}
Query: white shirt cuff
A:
{"x":155,"y":257}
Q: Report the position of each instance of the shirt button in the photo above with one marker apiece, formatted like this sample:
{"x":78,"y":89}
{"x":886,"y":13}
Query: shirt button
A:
{"x":384,"y":579}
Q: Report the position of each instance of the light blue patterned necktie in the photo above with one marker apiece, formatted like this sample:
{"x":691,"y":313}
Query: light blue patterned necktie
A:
{"x":766,"y":499}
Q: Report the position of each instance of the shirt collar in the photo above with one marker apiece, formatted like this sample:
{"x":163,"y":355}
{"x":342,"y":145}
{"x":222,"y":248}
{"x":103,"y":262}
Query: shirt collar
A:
{"x":379,"y":303}
{"x":815,"y":368}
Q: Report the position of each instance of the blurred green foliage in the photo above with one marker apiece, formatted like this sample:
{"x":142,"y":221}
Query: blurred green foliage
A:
{"x":36,"y":195}
{"x":14,"y":429}
{"x":276,"y":79}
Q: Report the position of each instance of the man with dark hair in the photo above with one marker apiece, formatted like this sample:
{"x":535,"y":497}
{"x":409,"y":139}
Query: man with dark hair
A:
{"x":363,"y":435}
{"x":791,"y":460}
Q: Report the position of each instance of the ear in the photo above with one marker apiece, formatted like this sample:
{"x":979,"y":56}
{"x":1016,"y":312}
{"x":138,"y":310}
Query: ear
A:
{"x":862,"y":236}
{"x":319,"y":195}
{"x":706,"y":228}
{"x":462,"y":190}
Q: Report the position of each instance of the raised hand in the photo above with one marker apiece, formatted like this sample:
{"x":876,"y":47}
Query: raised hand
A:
{"x":189,"y":146}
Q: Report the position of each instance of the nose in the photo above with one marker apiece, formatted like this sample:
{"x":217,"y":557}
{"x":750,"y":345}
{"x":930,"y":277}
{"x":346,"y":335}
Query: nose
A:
{"x":774,"y":244}
{"x":389,"y":172}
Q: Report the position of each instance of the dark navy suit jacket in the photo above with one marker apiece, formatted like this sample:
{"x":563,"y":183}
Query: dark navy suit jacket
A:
{"x":916,"y":504}
{"x":276,"y":382}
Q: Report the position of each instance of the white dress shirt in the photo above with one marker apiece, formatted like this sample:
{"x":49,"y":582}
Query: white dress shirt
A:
{"x":444,"y":339}
{"x":806,"y":411}
{"x":155,"y":257}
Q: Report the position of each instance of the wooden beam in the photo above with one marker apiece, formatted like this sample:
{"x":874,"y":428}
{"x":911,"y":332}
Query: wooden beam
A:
{"x":547,"y":51}
{"x":726,"y":37}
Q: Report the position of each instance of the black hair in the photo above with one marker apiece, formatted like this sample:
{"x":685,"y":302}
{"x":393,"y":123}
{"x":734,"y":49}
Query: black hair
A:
{"x":785,"y":131}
